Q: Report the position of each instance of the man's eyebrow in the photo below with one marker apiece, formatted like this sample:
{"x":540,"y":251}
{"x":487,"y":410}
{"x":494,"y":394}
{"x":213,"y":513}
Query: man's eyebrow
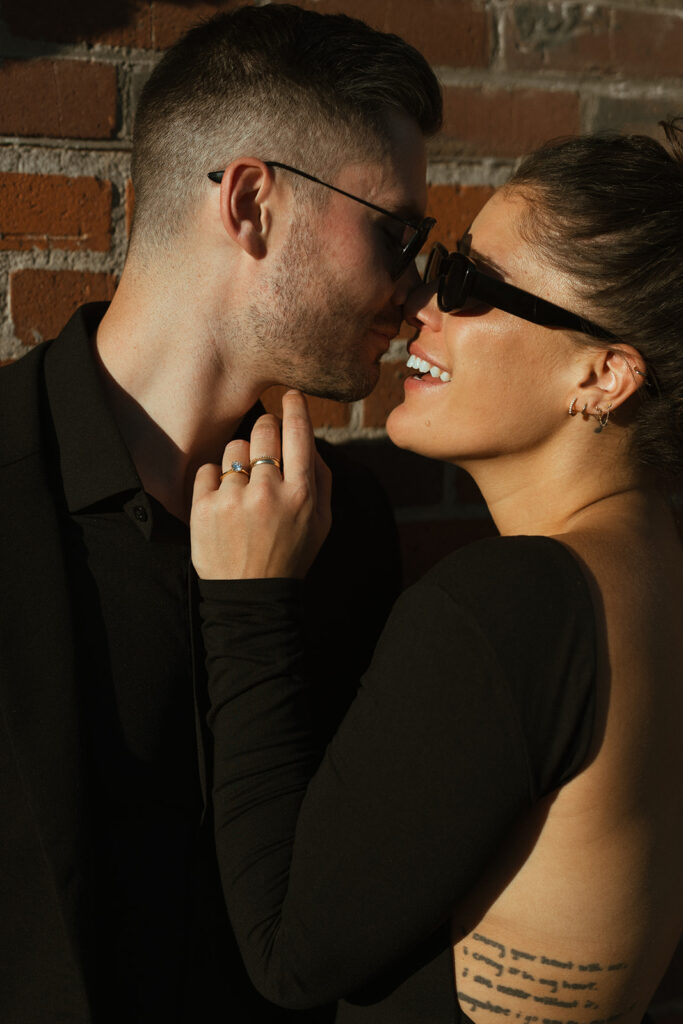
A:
{"x":404,"y":211}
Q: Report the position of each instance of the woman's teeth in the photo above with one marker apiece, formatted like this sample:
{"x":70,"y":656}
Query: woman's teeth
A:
{"x":424,"y":367}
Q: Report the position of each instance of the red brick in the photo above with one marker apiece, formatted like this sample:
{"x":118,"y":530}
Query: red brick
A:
{"x":572,"y":39}
{"x":632,"y":116}
{"x":82,"y":21}
{"x":171,"y":20}
{"x":455,"y":207}
{"x":458,"y":33}
{"x":503,"y":123}
{"x":648,"y":44}
{"x":324,"y":412}
{"x":387,"y":394}
{"x":589,"y":38}
{"x":58,"y":98}
{"x":41,"y":301}
{"x":54,"y":212}
{"x":130,"y":205}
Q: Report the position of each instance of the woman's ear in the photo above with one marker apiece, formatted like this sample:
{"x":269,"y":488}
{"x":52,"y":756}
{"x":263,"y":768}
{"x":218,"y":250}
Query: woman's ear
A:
{"x":611,"y":377}
{"x":245,"y":190}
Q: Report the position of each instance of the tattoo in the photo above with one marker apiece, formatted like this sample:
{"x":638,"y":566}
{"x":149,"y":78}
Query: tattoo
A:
{"x":517,"y":954}
{"x":477,"y":1003}
{"x":518,"y":992}
{"x":551,"y":1001}
{"x":490,"y":942}
{"x":525,"y":974}
{"x":509,"y":965}
{"x":491,"y":963}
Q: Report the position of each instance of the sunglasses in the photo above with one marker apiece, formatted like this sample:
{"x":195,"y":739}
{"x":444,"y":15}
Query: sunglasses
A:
{"x":458,"y":280}
{"x":414,"y":235}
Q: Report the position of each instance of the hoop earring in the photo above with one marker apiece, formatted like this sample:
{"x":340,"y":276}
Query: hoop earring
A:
{"x":602,"y":418}
{"x":572,"y":411}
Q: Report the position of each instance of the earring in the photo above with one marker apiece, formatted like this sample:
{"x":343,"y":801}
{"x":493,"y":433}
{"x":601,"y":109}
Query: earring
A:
{"x":601,"y":417}
{"x":571,"y":406}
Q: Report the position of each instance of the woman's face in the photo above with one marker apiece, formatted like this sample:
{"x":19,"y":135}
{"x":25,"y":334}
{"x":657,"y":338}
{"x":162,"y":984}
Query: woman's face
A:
{"x":511,"y":381}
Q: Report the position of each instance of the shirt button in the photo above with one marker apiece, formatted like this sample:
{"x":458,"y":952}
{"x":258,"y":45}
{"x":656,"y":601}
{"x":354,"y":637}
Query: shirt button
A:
{"x":140,"y":513}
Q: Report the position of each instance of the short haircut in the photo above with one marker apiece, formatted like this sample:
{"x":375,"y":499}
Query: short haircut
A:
{"x":275,"y":82}
{"x":607,"y":210}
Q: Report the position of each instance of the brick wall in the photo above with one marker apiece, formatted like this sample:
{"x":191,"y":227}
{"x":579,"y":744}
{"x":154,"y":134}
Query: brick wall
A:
{"x":514,"y":74}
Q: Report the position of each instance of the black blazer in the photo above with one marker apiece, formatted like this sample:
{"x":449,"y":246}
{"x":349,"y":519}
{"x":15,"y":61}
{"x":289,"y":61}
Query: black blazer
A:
{"x":43,"y":888}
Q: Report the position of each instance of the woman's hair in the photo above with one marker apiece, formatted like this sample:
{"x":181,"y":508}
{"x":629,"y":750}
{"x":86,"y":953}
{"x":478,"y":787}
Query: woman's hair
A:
{"x":276,"y":82}
{"x":607,"y":210}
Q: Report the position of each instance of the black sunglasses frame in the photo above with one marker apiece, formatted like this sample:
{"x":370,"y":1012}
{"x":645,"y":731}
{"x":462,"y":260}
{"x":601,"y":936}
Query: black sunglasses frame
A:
{"x":408,"y":252}
{"x":459,"y":279}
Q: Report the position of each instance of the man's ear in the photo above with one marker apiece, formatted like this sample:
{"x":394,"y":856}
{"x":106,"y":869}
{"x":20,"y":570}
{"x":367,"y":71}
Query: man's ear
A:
{"x":611,"y":376}
{"x":245,"y":189}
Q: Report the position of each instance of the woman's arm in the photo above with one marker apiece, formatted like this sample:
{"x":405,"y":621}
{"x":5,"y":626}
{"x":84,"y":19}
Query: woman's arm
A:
{"x":335,"y":871}
{"x":332,"y":876}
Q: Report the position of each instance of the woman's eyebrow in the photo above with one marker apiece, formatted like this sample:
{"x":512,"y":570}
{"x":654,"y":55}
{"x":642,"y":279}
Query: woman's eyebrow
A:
{"x":464,"y":245}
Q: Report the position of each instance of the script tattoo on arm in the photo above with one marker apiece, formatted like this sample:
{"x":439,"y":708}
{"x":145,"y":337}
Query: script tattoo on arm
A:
{"x":502,"y":983}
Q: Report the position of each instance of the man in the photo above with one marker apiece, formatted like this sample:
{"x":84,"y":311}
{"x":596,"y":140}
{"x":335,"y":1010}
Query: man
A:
{"x":245,"y":269}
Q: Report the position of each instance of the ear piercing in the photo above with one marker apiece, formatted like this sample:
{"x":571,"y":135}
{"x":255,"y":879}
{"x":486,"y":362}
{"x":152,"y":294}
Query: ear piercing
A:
{"x":573,"y":411}
{"x":602,"y":417}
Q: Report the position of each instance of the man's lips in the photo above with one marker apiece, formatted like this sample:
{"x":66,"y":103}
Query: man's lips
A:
{"x":388,"y":331}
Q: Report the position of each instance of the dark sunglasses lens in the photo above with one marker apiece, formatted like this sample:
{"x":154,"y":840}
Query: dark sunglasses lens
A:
{"x":414,"y":239}
{"x":434,"y":264}
{"x":454,"y":286}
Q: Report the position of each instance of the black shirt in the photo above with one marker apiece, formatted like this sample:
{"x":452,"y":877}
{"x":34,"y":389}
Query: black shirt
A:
{"x":341,"y":881}
{"x":160,"y":947}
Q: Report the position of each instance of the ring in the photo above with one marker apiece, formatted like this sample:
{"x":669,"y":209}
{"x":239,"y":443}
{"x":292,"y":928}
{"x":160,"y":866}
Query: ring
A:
{"x":269,"y":460}
{"x":236,"y":467}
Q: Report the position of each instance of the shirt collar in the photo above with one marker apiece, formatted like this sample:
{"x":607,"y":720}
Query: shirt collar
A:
{"x":94,"y":461}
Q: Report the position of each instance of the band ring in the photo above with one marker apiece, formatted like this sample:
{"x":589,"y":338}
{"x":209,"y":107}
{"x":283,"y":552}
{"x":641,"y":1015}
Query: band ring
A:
{"x":236,"y":467}
{"x":269,"y":460}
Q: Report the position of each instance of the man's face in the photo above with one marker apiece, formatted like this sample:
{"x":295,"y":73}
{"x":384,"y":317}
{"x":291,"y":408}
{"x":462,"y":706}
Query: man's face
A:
{"x":330,"y":306}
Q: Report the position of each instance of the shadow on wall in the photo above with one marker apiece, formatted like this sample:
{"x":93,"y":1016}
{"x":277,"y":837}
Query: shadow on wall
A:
{"x":110,"y":22}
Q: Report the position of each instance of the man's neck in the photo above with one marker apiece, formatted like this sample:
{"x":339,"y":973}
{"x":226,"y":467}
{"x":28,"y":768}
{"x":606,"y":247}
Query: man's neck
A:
{"x":175,"y":397}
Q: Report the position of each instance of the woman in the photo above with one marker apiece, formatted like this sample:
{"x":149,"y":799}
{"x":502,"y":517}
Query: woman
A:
{"x":512,"y":763}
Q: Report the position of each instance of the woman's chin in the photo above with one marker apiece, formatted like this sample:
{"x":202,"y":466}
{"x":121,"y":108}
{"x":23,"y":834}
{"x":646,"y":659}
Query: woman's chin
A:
{"x":401,"y":429}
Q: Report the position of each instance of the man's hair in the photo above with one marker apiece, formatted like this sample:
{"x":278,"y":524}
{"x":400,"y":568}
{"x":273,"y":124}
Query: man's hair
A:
{"x":276,"y":82}
{"x":607,"y":209}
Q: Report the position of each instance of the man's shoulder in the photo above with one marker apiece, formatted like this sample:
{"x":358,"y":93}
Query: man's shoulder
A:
{"x":21,"y":388}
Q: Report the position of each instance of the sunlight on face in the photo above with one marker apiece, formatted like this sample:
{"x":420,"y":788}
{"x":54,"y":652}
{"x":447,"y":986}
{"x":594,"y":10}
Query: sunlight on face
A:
{"x":508,"y":376}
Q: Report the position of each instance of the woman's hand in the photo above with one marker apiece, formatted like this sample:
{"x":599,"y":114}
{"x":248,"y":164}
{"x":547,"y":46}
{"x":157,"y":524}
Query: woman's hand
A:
{"x":271,"y":523}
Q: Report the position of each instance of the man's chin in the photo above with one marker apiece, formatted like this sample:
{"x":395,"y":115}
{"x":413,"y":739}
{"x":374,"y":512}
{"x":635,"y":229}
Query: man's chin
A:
{"x":347,"y":388}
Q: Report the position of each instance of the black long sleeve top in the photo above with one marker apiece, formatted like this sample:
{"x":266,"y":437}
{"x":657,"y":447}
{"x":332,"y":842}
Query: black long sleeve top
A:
{"x":478,"y":702}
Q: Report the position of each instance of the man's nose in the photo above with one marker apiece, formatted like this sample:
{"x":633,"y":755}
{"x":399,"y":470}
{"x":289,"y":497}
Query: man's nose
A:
{"x":405,"y":284}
